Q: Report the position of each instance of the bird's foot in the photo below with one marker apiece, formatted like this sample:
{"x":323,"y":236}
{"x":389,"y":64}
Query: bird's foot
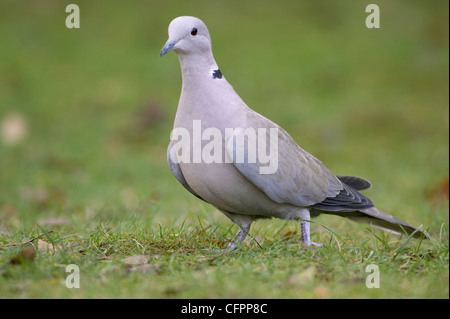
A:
{"x":310,"y":245}
{"x":237,"y":240}
{"x":317,"y":244}
{"x":230,"y":247}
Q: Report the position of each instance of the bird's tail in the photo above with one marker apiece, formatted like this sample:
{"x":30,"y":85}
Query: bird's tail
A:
{"x":377,"y":218}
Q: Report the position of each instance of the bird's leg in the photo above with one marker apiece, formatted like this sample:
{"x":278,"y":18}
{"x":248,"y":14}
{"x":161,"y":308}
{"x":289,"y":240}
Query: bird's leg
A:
{"x":239,"y":238}
{"x":306,"y":238}
{"x":244,"y":222}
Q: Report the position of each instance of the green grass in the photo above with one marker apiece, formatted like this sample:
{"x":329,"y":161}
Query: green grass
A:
{"x":98,"y":105}
{"x":278,"y":267}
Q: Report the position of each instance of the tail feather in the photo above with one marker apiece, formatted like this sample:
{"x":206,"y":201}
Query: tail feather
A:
{"x":377,"y":218}
{"x":380,"y":219}
{"x":350,"y":203}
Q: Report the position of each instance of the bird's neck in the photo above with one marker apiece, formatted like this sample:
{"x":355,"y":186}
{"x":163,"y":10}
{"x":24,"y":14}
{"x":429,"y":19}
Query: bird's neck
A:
{"x":205,"y":93}
{"x":194,"y":67}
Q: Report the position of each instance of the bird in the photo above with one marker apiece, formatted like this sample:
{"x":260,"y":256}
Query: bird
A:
{"x":297,"y":186}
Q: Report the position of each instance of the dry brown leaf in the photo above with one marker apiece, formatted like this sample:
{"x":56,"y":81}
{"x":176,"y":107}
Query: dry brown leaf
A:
{"x":439,"y":192}
{"x":136,"y":260}
{"x":26,"y":254}
{"x":41,"y":244}
{"x":144,"y":268}
{"x":215,"y":242}
{"x":13,"y":128}
{"x":321,"y":292}
{"x":289,"y":234}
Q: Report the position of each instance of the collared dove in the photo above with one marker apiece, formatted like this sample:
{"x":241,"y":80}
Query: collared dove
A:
{"x":300,"y":187}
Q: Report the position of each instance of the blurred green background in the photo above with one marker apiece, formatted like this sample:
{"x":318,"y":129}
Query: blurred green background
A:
{"x":86,"y":113}
{"x":97,"y":103}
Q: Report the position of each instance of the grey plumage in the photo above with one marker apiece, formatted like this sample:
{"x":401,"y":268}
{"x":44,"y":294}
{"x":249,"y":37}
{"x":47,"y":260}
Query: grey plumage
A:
{"x":176,"y":171}
{"x":300,"y":188}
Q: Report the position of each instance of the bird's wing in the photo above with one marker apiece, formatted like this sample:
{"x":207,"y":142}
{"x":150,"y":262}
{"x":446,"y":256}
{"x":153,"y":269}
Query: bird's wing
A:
{"x":357,"y":183}
{"x":297,"y":177}
{"x":348,"y":200}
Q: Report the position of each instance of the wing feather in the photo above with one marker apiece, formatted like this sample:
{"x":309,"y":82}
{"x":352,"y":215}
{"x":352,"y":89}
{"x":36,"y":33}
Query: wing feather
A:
{"x":300,"y":179}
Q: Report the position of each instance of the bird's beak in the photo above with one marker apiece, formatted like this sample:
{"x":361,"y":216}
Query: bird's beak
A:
{"x":168,"y":46}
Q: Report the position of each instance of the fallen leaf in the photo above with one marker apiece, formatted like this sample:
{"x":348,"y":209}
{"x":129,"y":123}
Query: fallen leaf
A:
{"x":215,"y":242}
{"x":135,"y":260}
{"x":143,"y":268}
{"x":31,"y":240}
{"x":13,"y":128}
{"x":321,"y":292}
{"x":26,"y":254}
{"x":439,"y":192}
{"x":288,"y":235}
{"x":41,"y":244}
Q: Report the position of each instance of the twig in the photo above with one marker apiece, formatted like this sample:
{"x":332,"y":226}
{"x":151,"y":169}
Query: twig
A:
{"x":28,"y":241}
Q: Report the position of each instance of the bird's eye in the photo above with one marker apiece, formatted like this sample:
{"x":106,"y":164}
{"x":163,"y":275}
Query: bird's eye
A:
{"x":194,"y":31}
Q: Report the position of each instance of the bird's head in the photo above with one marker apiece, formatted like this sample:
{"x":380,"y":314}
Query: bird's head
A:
{"x":187,"y":35}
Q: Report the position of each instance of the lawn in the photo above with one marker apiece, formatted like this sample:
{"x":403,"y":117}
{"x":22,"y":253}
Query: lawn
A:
{"x":85,"y":118}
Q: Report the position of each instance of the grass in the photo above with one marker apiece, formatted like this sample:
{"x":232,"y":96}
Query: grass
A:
{"x":96,"y":106}
{"x":279,"y":267}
